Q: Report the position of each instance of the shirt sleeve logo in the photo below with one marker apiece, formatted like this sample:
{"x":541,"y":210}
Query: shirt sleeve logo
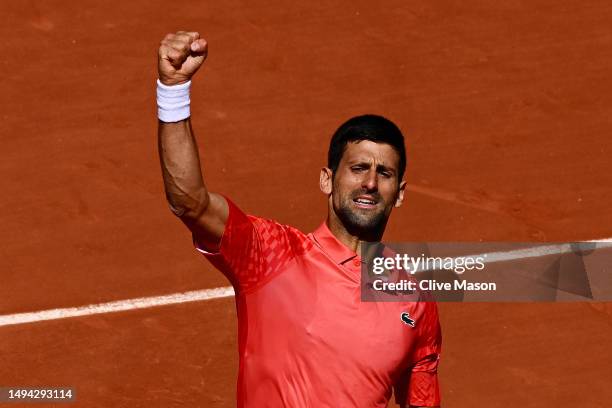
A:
{"x":407,"y":319}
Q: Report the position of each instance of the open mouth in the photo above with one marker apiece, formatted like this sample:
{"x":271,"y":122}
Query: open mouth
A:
{"x":365,"y":202}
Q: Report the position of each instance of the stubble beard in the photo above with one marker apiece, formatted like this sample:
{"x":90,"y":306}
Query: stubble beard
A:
{"x":366,"y":224}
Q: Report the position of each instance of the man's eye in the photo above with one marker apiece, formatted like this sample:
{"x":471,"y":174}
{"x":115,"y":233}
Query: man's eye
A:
{"x":357,"y":168}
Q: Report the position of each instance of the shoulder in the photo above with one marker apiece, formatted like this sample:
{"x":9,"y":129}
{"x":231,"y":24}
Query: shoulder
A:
{"x":275,"y":235}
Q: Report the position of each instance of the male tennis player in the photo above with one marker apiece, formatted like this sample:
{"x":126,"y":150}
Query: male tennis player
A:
{"x":305,"y":338}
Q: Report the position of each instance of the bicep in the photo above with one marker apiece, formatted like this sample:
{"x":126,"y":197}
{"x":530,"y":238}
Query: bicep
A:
{"x":208,"y":227}
{"x":418,"y":386}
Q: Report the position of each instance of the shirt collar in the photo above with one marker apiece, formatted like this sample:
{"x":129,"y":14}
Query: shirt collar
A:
{"x":335,"y":249}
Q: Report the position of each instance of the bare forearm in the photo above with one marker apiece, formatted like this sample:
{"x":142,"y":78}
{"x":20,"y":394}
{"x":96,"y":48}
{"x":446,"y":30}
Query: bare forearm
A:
{"x":182,"y":174}
{"x":180,"y":55}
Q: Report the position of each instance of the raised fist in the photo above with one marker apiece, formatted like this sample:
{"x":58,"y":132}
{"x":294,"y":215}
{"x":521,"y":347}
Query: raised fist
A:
{"x":180,"y":56}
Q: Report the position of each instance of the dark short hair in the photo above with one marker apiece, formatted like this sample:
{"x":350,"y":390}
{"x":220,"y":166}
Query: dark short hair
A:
{"x":374,"y":128}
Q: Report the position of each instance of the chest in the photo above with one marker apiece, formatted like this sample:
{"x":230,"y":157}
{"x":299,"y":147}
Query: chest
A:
{"x":315,"y":312}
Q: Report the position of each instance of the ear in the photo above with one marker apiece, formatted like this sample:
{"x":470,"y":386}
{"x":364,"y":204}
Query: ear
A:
{"x":325,"y":181}
{"x":400,"y":194}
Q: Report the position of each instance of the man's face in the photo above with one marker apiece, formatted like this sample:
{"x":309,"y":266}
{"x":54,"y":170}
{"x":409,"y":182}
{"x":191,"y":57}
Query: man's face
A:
{"x":366,"y":187}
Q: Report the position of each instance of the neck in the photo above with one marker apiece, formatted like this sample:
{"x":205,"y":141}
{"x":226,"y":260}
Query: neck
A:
{"x":352,"y":239}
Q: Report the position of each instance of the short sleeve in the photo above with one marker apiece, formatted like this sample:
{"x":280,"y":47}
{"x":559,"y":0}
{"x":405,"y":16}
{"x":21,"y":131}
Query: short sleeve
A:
{"x":252,"y":249}
{"x":419,"y":385}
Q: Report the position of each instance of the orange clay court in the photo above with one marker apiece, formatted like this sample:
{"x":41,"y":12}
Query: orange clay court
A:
{"x":507,"y":112}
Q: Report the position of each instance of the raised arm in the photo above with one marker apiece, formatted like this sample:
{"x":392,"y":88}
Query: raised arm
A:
{"x":204,"y":213}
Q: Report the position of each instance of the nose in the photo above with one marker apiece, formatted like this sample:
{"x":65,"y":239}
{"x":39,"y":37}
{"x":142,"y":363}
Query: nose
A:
{"x":370,"y":180}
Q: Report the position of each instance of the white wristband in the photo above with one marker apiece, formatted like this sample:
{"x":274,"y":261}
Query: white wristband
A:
{"x":173,"y":102}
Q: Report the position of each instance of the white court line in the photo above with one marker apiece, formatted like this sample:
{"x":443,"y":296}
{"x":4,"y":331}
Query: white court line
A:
{"x":524,"y":253}
{"x":116,"y":306}
{"x":217,"y":293}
